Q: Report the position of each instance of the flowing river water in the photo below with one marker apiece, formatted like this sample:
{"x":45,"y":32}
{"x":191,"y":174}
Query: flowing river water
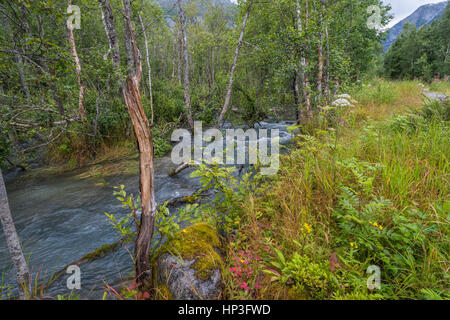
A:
{"x":61,"y":218}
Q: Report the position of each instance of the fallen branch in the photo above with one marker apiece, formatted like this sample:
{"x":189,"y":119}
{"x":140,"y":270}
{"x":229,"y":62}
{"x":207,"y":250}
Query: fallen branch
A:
{"x":29,"y":124}
{"x":16,"y":165}
{"x":183,"y":167}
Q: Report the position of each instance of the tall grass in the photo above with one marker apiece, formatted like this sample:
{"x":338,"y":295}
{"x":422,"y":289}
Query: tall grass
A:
{"x":362,"y":193}
{"x":442,"y":87}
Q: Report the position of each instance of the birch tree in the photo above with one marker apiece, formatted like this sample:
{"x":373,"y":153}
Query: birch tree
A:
{"x":187,"y":96}
{"x":149,"y":68}
{"x":303,"y":67}
{"x":226,"y":105}
{"x":320,"y":53}
{"x":13,"y":243}
{"x":73,"y":50}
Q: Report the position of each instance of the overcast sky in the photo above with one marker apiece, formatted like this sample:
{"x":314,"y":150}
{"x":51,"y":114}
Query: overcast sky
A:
{"x":403,"y":8}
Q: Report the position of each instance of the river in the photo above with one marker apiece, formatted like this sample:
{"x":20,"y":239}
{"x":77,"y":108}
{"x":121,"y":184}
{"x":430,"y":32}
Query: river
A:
{"x":61,"y":218}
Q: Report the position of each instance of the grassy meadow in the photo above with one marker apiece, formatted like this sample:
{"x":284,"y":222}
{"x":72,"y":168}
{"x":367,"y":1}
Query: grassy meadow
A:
{"x":367,"y":189}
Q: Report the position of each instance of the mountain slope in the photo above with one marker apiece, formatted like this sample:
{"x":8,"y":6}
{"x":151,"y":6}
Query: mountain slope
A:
{"x":169,"y":4}
{"x":423,"y":15}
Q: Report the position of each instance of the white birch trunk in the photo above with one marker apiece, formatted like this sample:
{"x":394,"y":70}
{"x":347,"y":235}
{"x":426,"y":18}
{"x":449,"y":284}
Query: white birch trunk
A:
{"x":13,"y":243}
{"x":226,"y":105}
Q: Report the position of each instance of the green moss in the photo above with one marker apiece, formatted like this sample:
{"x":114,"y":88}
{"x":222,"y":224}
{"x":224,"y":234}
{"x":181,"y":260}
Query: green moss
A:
{"x":206,"y":265}
{"x":132,"y":168}
{"x":189,"y":199}
{"x":297,"y":293}
{"x":43,"y":172}
{"x":199,"y":242}
{"x":102,"y":169}
{"x":100,"y":252}
{"x":163,"y":293}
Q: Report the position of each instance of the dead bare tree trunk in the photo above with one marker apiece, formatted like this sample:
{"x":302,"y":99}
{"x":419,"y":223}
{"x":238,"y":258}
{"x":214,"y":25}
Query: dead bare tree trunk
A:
{"x":132,"y":98}
{"x":13,"y":242}
{"x":226,"y":105}
{"x":149,"y":69}
{"x":187,"y":96}
{"x":81,"y":86}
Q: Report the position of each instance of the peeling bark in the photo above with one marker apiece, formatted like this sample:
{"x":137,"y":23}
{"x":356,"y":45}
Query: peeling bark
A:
{"x":320,"y":55}
{"x":81,"y":86}
{"x":179,"y":56}
{"x":132,"y":99}
{"x":13,"y":243}
{"x":187,"y":96}
{"x":303,"y":67}
{"x":327,"y":67}
{"x":226,"y":105}
{"x":149,"y":69}
{"x":174,"y":58}
{"x":110,"y":29}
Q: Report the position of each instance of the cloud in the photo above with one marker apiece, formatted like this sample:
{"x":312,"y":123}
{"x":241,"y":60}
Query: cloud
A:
{"x":403,"y":8}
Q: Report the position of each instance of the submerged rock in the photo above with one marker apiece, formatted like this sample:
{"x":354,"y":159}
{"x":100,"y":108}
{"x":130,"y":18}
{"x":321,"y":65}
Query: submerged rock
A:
{"x":190,"y":266}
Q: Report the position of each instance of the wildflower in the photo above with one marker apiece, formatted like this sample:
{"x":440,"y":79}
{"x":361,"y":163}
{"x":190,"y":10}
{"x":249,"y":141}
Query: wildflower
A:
{"x":341,"y":102}
{"x":353,"y":245}
{"x":379,"y":226}
{"x":307,"y":227}
{"x":244,"y":286}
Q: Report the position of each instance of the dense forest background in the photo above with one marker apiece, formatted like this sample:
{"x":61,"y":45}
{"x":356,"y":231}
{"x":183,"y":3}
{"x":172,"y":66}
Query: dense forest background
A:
{"x":294,"y":56}
{"x":421,"y":53}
